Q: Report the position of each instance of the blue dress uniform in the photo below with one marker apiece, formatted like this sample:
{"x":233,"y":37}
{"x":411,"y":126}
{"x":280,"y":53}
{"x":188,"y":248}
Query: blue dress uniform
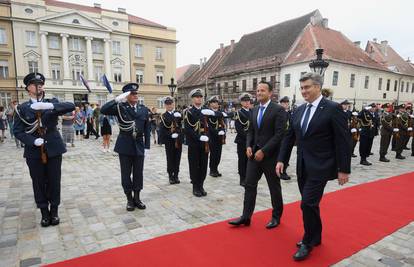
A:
{"x":45,"y":176}
{"x":132,"y":141}
{"x":172,"y":138}
{"x":215,"y":126}
{"x":194,"y":128}
{"x":242,"y":123}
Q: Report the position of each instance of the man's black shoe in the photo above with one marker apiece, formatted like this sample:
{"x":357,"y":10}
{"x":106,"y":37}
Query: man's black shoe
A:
{"x":302,"y":253}
{"x":299,"y":244}
{"x":197,"y":193}
{"x":240,"y":221}
{"x":130,"y":206}
{"x":203,"y":192}
{"x":272,"y":223}
{"x":54,"y":216}
{"x":45,"y":221}
{"x":137,"y":201}
{"x":285,"y":177}
{"x":365,"y":162}
{"x":399,"y":156}
{"x":219,"y":174}
{"x":354,"y":156}
{"x":214,"y":174}
{"x":384,"y":159}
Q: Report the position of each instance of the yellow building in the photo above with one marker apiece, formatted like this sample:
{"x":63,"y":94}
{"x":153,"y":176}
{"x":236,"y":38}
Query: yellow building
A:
{"x":153,"y":60}
{"x":7,"y":66}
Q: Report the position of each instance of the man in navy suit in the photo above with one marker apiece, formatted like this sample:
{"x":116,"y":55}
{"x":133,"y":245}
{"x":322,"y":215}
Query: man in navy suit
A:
{"x":35,"y":125}
{"x":133,"y":141}
{"x":320,"y":130}
{"x":266,"y":129}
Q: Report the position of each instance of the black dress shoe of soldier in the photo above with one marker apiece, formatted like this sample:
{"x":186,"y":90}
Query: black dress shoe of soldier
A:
{"x":240,"y":221}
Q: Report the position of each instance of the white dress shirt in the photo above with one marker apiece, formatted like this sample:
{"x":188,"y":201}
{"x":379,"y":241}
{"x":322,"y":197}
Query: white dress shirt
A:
{"x":313,"y":109}
{"x":258,"y":113}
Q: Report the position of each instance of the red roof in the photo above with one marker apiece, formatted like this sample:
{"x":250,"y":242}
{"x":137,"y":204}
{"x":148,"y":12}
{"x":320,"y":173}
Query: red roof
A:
{"x":337,"y":47}
{"x":180,"y":72}
{"x":389,"y":58}
{"x":131,"y":18}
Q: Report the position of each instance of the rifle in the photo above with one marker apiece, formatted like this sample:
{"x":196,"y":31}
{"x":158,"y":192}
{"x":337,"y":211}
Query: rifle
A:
{"x":40,"y":129}
{"x":206,"y":146}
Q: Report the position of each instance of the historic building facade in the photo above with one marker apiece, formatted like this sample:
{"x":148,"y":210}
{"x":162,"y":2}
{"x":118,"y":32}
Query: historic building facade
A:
{"x":65,"y":41}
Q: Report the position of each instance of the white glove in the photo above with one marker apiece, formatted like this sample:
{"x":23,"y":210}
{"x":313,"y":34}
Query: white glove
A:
{"x":225,"y":114}
{"x":353,"y":130}
{"x":355,"y":113}
{"x":368,"y":108}
{"x":174,"y":135}
{"x":412,"y":116}
{"x":39,"y":141}
{"x":122,"y":97}
{"x":177,"y":114}
{"x":207,"y":112}
{"x":410,"y":128}
{"x":398,"y":115}
{"x":41,"y":106}
{"x":221,"y":132}
{"x":396,"y":130}
{"x":360,"y":129}
{"x":146,"y":152}
{"x":204,"y":138}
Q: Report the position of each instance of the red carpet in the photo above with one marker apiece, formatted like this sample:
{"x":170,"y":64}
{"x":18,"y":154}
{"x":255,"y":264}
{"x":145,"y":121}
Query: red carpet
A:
{"x":353,"y":218}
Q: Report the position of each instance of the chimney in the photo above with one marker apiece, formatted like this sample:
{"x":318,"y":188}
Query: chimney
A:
{"x":122,"y":10}
{"x":384,"y":47}
{"x":96,"y":5}
{"x":201,"y":63}
{"x":221,"y":49}
{"x":325,"y":23}
{"x":408,"y":60}
{"x":357,"y":44}
{"x":205,"y":61}
{"x":231,"y":45}
{"x":375,"y":40}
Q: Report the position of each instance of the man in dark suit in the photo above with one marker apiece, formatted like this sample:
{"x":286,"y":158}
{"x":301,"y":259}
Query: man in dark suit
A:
{"x":35,"y":125}
{"x":320,"y":130}
{"x":266,"y":130}
{"x":133,"y":141}
{"x":241,"y":123}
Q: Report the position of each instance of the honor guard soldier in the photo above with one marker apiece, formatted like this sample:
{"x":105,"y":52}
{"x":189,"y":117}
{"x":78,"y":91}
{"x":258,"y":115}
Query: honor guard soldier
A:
{"x":284,"y":102}
{"x":345,"y":107}
{"x":386,"y":131}
{"x":133,"y":141}
{"x":216,"y":134}
{"x":196,"y":132}
{"x":172,"y":138}
{"x":355,"y":131}
{"x":410,"y":128}
{"x":241,"y":123}
{"x":35,"y":125}
{"x":367,"y":133}
{"x":402,"y":124}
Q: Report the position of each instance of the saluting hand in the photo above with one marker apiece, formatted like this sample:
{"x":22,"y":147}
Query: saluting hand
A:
{"x":343,"y":178}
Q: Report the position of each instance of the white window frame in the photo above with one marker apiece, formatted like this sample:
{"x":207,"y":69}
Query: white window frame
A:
{"x":5,"y":99}
{"x":159,"y":78}
{"x":55,"y":71}
{"x":31,"y":38}
{"x":76,"y":46}
{"x":116,"y":48}
{"x":139,"y":76}
{"x":117,"y":74}
{"x":101,"y":99}
{"x":4,"y":69}
{"x":33,"y":66}
{"x":335,"y":78}
{"x":160,"y":102}
{"x":141,"y":100}
{"x":159,"y":53}
{"x":3,"y":36}
{"x":366,"y":82}
{"x":139,"y":50}
{"x":96,"y":47}
{"x":54,"y":42}
{"x":352,"y":80}
{"x":98,"y":72}
{"x":287,"y":80}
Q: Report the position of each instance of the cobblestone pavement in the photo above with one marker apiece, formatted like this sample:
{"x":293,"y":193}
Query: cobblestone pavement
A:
{"x":93,"y":215}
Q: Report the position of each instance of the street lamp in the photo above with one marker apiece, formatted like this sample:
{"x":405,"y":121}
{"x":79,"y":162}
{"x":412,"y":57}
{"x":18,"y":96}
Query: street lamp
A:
{"x":319,"y":65}
{"x":172,"y":87}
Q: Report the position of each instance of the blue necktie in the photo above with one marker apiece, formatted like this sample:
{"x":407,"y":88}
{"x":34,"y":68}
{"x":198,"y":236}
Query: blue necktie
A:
{"x":306,"y":119}
{"x":259,"y":120}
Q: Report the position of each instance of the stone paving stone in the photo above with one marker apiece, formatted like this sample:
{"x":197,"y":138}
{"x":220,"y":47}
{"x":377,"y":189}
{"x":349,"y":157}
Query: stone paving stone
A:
{"x":93,"y":215}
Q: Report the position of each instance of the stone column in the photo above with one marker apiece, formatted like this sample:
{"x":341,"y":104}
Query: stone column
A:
{"x":107,"y":52}
{"x":45,"y":55}
{"x":65,"y":56}
{"x":89,"y":57}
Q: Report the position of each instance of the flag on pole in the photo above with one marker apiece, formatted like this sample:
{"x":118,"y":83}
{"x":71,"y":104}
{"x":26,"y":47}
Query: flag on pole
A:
{"x":85,"y":82}
{"x":106,"y":83}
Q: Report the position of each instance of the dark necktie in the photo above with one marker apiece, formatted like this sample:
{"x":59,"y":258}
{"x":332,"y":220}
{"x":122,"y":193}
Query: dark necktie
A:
{"x":306,"y":119}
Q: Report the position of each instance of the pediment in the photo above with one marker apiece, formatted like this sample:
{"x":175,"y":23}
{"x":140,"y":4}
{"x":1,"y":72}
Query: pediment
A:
{"x":74,"y":18}
{"x":117,"y":62}
{"x":31,"y":55}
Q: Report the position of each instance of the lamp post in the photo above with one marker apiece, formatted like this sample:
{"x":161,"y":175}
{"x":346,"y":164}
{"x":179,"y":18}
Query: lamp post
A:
{"x":319,"y":65}
{"x":172,"y":87}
